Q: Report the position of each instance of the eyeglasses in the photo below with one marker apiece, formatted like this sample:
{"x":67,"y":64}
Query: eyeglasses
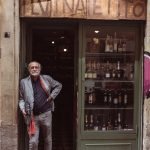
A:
{"x":34,"y":67}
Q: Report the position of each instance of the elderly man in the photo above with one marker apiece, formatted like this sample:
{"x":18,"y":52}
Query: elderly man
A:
{"x":39,"y":91}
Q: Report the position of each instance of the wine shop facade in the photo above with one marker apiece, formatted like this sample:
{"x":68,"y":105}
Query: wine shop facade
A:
{"x":96,"y":49}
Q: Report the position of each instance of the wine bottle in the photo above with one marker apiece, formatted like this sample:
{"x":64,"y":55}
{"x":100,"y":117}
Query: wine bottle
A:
{"x":120,"y":46}
{"x":91,"y":122}
{"x":107,"y":41}
{"x":94,"y":73}
{"x":107,"y":71}
{"x":86,"y":123}
{"x":109,"y":98}
{"x":105,"y":98}
{"x":115,"y":99}
{"x":115,"y":42}
{"x":111,"y":47}
{"x":116,"y":125}
{"x":91,"y":98}
{"x":103,"y":127}
{"x":113,"y":73}
{"x":109,"y":125}
{"x":125,"y":98}
{"x":119,"y":71}
{"x":125,"y":126}
{"x":96,"y":124}
{"x":119,"y":99}
{"x":98,"y":69}
{"x":131,"y":74}
{"x":124,"y":45}
{"x":89,"y":72}
{"x":119,"y":122}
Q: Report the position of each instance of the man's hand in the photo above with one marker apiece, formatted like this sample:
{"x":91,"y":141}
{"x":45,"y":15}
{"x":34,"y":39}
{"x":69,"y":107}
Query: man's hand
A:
{"x":49,"y":99}
{"x":24,"y":113}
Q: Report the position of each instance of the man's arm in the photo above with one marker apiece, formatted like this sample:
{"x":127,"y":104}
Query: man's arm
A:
{"x":21,"y":98}
{"x":56,"y":88}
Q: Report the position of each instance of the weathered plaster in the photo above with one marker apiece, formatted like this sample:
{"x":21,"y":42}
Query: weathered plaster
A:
{"x":146,"y":117}
{"x":9,"y":64}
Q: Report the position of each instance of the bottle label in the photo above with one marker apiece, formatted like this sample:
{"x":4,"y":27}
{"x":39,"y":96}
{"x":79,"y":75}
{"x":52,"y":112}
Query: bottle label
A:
{"x":90,"y":99}
{"x":115,"y":101}
{"x":118,"y":75}
{"x":105,"y":99}
{"x":96,"y":128}
{"x":107,"y":75}
{"x":94,"y":75}
{"x":90,"y":75}
{"x":103,"y":128}
{"x":86,"y":75}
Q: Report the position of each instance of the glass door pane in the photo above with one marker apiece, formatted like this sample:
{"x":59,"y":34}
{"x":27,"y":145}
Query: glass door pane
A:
{"x":109,"y":79}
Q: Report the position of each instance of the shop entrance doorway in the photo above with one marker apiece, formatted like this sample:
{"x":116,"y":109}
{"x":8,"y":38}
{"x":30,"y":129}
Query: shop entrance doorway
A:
{"x":54,"y":45}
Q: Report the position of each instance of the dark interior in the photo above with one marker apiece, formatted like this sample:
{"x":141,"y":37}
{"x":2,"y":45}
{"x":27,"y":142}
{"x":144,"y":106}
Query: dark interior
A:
{"x":54,"y":49}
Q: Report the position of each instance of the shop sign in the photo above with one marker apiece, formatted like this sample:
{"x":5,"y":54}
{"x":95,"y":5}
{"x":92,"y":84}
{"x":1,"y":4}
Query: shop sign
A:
{"x":86,"y":9}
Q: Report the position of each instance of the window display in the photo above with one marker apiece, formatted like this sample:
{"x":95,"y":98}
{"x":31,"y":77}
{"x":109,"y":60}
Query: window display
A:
{"x":109,"y":79}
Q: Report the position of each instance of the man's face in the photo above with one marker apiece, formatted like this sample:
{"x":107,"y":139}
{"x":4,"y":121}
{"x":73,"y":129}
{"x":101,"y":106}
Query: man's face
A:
{"x":34,"y":69}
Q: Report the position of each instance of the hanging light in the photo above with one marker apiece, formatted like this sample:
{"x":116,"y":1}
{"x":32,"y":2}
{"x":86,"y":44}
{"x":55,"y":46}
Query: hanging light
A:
{"x":53,"y":42}
{"x":96,"y":31}
{"x":65,"y":49}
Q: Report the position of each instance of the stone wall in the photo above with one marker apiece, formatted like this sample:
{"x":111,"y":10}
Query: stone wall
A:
{"x":9,"y":62}
{"x":146,"y":115}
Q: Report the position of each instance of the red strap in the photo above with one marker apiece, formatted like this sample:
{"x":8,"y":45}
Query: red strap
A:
{"x":31,"y":127}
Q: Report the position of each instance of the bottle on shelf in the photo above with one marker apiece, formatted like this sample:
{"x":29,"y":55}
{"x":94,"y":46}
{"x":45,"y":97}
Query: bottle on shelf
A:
{"x":116,"y":125}
{"x":119,"y":99}
{"x":91,"y":97}
{"x":109,"y":98}
{"x":119,"y":71}
{"x":119,"y":122}
{"x":91,"y":122}
{"x":111,"y":47}
{"x":94,"y":73}
{"x":89,"y":70}
{"x":120,"y":46}
{"x":115,"y":99}
{"x":114,"y":72}
{"x":95,"y":44}
{"x":102,"y":71}
{"x":107,"y":71}
{"x":115,"y":43}
{"x":86,"y":123}
{"x":96,"y":124}
{"x":125,"y":126}
{"x":107,"y":43}
{"x":124,"y":45}
{"x":125,"y":98}
{"x":131,"y":73}
{"x":98,"y":69}
{"x":109,"y":125}
{"x":105,"y":98}
{"x":104,"y":127}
